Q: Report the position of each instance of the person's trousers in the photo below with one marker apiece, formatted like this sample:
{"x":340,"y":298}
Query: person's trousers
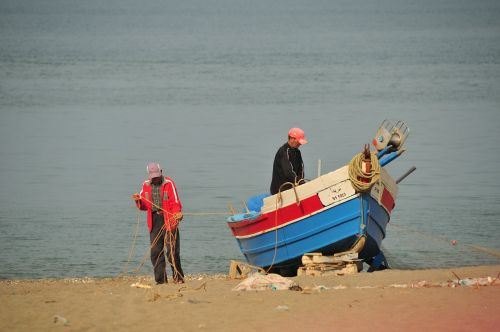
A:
{"x":165,"y":242}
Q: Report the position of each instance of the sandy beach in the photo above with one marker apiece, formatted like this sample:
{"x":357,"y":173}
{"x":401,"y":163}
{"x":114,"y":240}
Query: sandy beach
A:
{"x":390,"y":300}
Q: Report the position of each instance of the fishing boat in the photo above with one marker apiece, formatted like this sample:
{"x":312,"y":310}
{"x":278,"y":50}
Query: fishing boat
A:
{"x":346,"y":209}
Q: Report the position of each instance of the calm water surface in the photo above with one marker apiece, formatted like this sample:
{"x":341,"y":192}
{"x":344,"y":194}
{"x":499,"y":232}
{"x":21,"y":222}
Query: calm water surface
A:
{"x":90,"y":92}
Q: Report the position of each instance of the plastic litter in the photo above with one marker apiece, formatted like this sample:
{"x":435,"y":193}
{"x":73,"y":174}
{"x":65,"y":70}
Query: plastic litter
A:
{"x":61,"y":320}
{"x":260,"y":282}
{"x":466,"y":282}
{"x":469,"y":282}
{"x":339,"y":287}
{"x":296,"y":288}
{"x":315,"y":289}
{"x":478,"y":281}
{"x":257,"y":281}
{"x":398,"y":286}
{"x":281,"y":308}
{"x":139,"y":285}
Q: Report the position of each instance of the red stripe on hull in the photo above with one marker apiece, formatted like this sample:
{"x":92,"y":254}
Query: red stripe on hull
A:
{"x":387,"y":200}
{"x":284,"y":215}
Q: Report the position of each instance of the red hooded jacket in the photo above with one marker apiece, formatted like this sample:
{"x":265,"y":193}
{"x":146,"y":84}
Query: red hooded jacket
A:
{"x":170,"y":202}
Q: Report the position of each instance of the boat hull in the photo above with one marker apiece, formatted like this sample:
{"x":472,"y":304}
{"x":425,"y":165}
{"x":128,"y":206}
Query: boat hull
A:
{"x":332,"y":230}
{"x":325,"y":215}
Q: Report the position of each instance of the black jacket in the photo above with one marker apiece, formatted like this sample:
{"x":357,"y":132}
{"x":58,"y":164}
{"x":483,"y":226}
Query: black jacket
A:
{"x":287,"y":167}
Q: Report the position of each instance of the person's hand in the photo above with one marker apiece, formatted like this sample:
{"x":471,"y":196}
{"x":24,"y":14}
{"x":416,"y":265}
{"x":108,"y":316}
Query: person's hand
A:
{"x":136,"y":197}
{"x":178,"y":216}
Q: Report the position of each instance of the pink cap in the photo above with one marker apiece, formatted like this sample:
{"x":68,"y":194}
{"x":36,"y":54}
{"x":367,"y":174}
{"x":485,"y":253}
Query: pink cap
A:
{"x":298,"y":134}
{"x":154,"y":170}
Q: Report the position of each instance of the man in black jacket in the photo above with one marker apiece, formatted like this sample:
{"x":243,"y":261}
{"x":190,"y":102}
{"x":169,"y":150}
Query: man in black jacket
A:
{"x":288,"y":165}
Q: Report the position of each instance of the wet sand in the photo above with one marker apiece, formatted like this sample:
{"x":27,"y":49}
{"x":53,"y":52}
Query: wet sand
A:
{"x":391,"y":300}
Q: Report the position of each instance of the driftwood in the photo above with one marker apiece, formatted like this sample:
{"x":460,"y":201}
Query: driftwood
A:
{"x":239,"y":270}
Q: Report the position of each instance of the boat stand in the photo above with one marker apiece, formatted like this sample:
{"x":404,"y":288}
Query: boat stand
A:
{"x":343,"y":263}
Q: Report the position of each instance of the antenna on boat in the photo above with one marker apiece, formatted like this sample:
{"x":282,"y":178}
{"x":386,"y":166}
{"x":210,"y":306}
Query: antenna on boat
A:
{"x":319,"y":168}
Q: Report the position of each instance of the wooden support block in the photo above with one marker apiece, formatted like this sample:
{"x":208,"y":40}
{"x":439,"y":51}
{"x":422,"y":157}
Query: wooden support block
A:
{"x":307,"y":258}
{"x":330,"y":260}
{"x":318,"y":258}
{"x":346,"y":255}
{"x":344,"y":263}
{"x":321,"y":259}
{"x":314,"y":273}
{"x":349,"y":269}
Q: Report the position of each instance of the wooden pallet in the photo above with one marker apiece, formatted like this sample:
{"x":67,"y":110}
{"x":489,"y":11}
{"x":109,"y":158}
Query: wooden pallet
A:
{"x":315,"y":264}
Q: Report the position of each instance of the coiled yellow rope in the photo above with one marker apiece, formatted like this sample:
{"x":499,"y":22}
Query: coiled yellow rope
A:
{"x":356,"y":171}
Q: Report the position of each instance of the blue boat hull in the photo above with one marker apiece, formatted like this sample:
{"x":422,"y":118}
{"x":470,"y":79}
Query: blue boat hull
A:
{"x":330,"y":231}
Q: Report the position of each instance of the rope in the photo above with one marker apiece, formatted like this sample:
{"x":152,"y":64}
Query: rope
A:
{"x":143,"y":261}
{"x":489,"y":251}
{"x":130,"y":253}
{"x":279,"y":200}
{"x":207,"y":213}
{"x":188,"y":213}
{"x":172,"y":240}
{"x":359,"y":244}
{"x":356,"y":173}
{"x":156,"y":206}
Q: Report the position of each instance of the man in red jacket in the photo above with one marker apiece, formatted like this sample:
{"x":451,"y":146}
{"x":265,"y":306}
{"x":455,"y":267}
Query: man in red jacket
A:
{"x":164,"y":211}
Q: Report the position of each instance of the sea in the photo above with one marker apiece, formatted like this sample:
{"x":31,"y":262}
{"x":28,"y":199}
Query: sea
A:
{"x":91,"y":91}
